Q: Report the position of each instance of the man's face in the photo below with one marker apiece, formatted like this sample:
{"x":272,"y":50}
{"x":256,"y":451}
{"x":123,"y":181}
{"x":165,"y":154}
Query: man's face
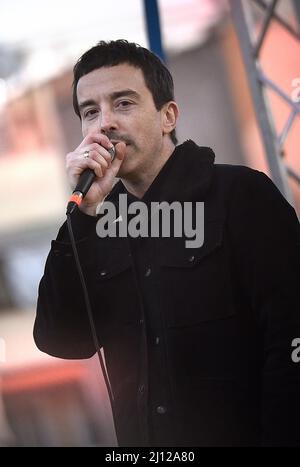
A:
{"x":116,"y":101}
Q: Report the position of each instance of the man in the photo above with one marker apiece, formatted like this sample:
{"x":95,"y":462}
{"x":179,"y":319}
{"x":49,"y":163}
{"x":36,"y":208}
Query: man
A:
{"x":199,"y":342}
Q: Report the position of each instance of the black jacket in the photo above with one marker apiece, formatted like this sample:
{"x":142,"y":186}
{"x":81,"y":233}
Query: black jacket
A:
{"x":198,"y":342}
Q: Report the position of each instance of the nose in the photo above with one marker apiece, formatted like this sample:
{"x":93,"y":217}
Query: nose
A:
{"x":107,"y":121}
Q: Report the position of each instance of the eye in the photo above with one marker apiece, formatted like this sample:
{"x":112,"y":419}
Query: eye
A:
{"x":90,"y":113}
{"x":124,"y":104}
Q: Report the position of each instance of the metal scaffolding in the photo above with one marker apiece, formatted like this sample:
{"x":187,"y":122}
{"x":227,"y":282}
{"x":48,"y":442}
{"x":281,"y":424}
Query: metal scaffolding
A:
{"x":153,"y":27}
{"x":241,"y":11}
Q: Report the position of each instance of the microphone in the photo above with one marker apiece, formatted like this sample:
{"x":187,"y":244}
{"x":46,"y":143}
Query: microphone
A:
{"x":84,"y":183}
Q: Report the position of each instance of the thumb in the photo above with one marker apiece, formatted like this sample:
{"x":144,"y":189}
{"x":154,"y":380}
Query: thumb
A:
{"x":120,"y":150}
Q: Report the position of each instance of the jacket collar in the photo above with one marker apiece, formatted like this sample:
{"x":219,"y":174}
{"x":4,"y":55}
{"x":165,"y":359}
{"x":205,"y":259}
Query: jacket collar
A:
{"x":186,"y":176}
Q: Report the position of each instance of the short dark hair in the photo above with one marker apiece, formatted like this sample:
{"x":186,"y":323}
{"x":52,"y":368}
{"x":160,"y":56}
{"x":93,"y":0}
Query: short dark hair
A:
{"x":157,"y":77}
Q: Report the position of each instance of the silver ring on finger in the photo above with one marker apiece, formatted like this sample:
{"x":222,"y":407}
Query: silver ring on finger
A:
{"x":86,"y":154}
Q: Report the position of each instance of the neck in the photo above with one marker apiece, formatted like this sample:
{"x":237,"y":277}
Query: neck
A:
{"x":138,"y":184}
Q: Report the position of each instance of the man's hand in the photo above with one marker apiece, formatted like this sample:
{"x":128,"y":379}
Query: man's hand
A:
{"x":99,"y":160}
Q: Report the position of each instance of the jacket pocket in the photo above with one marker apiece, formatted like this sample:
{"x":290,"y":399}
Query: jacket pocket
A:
{"x":114,"y":291}
{"x":195,"y":285}
{"x":113,"y":257}
{"x":175,"y":253}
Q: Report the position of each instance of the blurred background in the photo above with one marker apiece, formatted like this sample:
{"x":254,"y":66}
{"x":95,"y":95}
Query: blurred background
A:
{"x":46,"y":401}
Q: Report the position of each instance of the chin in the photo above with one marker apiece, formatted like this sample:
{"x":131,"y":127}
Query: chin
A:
{"x":126,"y":168}
{"x":123,"y":171}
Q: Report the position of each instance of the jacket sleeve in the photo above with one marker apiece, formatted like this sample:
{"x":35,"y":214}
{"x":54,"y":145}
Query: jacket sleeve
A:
{"x":266,"y":243}
{"x":61,"y":326}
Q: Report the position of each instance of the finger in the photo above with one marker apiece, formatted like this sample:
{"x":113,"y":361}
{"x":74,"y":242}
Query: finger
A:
{"x":78,"y":165}
{"x":104,"y":152}
{"x":95,"y":166}
{"x":99,"y":138}
{"x":95,"y":147}
{"x":120,"y":150}
{"x":91,"y":152}
{"x":103,"y":160}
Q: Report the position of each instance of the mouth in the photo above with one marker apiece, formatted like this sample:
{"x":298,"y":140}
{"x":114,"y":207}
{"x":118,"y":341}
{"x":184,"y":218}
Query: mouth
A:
{"x":114,"y":142}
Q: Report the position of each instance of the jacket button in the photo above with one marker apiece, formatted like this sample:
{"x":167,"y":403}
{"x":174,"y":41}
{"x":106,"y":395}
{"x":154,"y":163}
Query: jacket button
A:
{"x":191,"y":259}
{"x":103,"y":273}
{"x":157,"y":340}
{"x":161,"y":410}
{"x":148,"y":272}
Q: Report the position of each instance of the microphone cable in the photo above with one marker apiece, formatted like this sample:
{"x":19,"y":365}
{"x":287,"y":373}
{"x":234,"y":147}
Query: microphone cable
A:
{"x":90,"y":313}
{"x":84,"y":183}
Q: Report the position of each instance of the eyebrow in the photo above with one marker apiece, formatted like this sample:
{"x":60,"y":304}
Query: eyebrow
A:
{"x":113,"y":95}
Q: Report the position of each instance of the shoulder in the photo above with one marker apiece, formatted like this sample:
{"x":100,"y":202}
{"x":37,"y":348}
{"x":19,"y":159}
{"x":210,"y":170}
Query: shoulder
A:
{"x":237,"y":173}
{"x":248,"y":192}
{"x":244,"y":181}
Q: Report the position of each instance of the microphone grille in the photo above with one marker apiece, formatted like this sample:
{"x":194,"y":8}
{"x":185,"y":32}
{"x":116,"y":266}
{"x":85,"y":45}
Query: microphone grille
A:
{"x":112,"y":152}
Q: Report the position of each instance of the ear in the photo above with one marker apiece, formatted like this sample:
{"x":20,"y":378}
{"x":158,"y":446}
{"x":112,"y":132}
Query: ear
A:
{"x":170,"y":114}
